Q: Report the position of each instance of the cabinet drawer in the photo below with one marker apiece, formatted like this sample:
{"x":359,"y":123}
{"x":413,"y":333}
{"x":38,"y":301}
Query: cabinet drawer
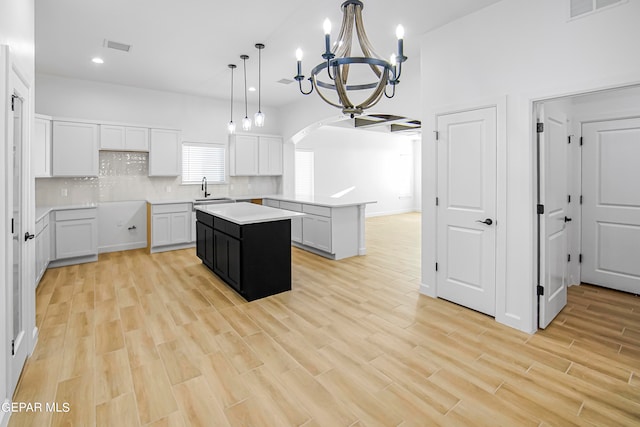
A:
{"x":270,"y":202}
{"x":204,"y":218}
{"x":227,"y":227}
{"x":72,"y":214}
{"x":170,"y":208}
{"x":297,"y":207}
{"x":317,"y":210}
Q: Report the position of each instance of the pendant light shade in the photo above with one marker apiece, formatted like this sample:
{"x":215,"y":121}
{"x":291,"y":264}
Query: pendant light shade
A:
{"x":231,"y":126}
{"x":258,"y":118}
{"x":246,"y":122}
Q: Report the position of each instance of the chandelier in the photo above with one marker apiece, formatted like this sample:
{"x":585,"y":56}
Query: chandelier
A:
{"x":338,"y":60}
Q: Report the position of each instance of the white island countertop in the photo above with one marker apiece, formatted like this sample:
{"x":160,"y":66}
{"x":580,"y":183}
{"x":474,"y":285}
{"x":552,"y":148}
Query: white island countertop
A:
{"x":247,"y":213}
{"x":331,"y":202}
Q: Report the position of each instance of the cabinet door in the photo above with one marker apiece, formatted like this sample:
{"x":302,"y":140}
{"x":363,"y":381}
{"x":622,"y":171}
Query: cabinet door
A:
{"x":39,"y":255}
{"x":220,"y":254}
{"x":75,"y":149}
{"x":296,"y":230}
{"x":41,"y":148}
{"x":201,"y":242}
{"x":76,"y":238}
{"x":136,"y":139}
{"x":164,"y":153}
{"x":112,"y":137}
{"x":316,"y":232}
{"x":234,"y":262}
{"x":270,"y":156}
{"x":245,"y":150}
{"x":180,"y":227}
{"x":160,"y":229}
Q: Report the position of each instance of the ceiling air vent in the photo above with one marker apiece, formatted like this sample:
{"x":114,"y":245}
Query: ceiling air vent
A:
{"x":285,"y":81}
{"x":117,"y":46}
{"x":579,"y":8}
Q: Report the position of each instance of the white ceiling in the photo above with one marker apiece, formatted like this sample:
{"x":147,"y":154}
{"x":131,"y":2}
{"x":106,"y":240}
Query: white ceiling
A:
{"x":185,"y":45}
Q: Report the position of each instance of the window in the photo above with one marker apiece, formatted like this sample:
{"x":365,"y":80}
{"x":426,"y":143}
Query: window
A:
{"x":586,"y":7}
{"x":203,"y":159}
{"x":304,"y":173}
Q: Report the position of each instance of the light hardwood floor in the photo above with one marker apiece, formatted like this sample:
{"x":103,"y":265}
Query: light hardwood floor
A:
{"x":158,"y":340}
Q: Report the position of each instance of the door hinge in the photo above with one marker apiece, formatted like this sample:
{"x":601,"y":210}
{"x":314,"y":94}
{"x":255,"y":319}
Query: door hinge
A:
{"x":437,"y":135}
{"x":569,"y":139}
{"x":437,"y":201}
{"x":539,"y":127}
{"x":568,"y":257}
{"x":581,"y":199}
{"x":569,"y":198}
{"x":580,"y":258}
{"x":436,"y":266}
{"x":581,"y":141}
{"x":540,"y":290}
{"x":13,"y":102}
{"x":12,"y":225}
{"x":540,"y":209}
{"x":13,"y":347}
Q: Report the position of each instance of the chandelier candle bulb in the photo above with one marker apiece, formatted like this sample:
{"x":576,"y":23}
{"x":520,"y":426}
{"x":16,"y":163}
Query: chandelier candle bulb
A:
{"x":299,"y":59}
{"x":327,"y":38}
{"x":400,"y":36}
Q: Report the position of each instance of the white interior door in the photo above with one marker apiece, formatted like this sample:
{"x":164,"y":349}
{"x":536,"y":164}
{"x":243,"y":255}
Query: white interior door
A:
{"x":466,"y":237}
{"x":611,"y":204}
{"x":553,"y":231}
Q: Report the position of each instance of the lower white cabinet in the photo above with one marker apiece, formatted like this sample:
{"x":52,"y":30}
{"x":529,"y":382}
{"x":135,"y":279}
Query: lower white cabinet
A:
{"x":43,"y":247}
{"x":76,"y":233}
{"x":296,"y":230}
{"x":171,"y":226}
{"x":316,"y":232}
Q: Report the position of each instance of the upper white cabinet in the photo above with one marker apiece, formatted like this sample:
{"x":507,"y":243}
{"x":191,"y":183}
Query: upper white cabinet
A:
{"x":164,"y":153}
{"x":74,"y":149}
{"x":124,"y":138}
{"x":269,"y":156}
{"x":41,"y":147}
{"x":251,"y":155}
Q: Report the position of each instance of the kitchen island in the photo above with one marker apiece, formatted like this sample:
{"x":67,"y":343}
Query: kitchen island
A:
{"x":332,"y":227}
{"x":247,"y":245}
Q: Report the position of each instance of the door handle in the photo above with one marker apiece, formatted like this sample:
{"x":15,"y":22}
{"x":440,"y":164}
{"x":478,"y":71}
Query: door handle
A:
{"x":487,"y":221}
{"x":28,"y":236}
{"x":567,"y":219}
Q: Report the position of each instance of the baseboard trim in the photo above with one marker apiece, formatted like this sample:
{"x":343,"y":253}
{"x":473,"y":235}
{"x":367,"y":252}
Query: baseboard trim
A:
{"x":172,"y":247}
{"x":122,"y":247}
{"x":387,"y":213}
{"x":72,"y":261}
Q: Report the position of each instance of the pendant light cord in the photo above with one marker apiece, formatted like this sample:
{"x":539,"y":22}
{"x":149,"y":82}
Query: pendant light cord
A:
{"x":259,"y":80}
{"x":244,"y":61}
{"x":231,"y":109}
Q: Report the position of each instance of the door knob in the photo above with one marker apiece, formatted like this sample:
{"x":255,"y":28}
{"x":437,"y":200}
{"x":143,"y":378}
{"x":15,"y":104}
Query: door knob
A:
{"x":567,"y":219}
{"x":28,"y":236}
{"x":487,"y":221}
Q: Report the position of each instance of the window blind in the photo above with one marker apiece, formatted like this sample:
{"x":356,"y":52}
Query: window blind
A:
{"x":203,"y":160}
{"x":304,"y":173}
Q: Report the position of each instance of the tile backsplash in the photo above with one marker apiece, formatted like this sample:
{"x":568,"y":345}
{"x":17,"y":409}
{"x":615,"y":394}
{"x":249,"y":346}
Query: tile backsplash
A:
{"x":124,"y":176}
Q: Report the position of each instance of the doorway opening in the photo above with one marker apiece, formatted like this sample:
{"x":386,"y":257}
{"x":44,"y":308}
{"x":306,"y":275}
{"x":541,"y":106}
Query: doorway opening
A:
{"x":587,"y":195}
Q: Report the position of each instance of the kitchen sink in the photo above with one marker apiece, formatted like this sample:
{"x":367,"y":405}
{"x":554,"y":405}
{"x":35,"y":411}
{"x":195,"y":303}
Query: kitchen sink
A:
{"x":213,"y":200}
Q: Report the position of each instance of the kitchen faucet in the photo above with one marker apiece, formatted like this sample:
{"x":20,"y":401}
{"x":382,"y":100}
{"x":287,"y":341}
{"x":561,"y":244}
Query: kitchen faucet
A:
{"x":204,"y":187}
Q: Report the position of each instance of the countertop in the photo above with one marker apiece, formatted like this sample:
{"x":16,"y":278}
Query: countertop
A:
{"x":322,"y":200}
{"x":42,"y":211}
{"x":247,"y":213}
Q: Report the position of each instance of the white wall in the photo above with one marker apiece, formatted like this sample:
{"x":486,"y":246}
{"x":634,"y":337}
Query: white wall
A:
{"x":523,"y":50}
{"x":201,"y":119}
{"x":366,"y":160}
{"x":16,"y":31}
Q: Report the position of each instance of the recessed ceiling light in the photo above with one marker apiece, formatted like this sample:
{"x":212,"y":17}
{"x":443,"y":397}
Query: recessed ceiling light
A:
{"x":97,"y":60}
{"x":252,"y":89}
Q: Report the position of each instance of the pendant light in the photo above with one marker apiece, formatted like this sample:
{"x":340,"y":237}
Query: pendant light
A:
{"x":258,"y":118}
{"x":231,"y":127}
{"x":246,"y":122}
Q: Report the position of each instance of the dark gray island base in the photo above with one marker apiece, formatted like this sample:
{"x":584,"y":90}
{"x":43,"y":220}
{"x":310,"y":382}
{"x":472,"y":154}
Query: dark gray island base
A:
{"x":254,"y":259}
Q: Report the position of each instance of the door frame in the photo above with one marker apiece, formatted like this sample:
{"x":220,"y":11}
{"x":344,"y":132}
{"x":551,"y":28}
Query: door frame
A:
{"x":11,"y":77}
{"x":575,"y":129}
{"x":430,"y":212}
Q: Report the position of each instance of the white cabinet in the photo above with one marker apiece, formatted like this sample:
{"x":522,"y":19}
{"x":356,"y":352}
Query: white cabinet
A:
{"x":164,"y":153}
{"x":252,"y":155}
{"x":243,"y":155}
{"x":171,"y":226}
{"x":269,"y":156}
{"x":76,"y":233}
{"x":41,"y":147}
{"x":43,"y":247}
{"x":74,"y":149}
{"x":124,"y":138}
{"x":296,"y":230}
{"x":316,"y":232}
